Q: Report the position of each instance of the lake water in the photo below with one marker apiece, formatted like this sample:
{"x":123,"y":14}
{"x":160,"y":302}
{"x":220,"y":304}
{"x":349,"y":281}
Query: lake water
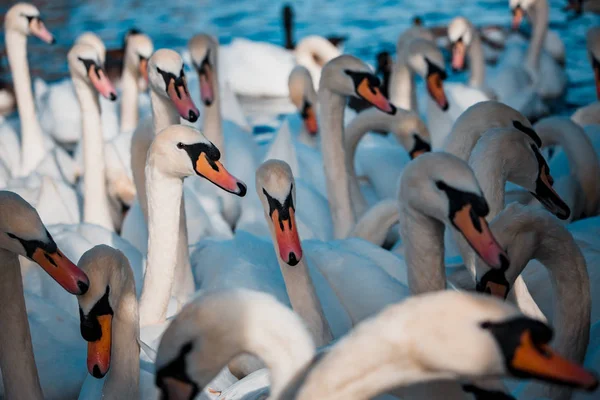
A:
{"x":369,"y":25}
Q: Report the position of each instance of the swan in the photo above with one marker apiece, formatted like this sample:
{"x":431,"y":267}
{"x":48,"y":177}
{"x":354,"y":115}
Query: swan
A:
{"x":581,"y":6}
{"x":304,"y":97}
{"x":177,"y":152}
{"x":32,"y":150}
{"x":588,"y":115}
{"x":532,"y":233}
{"x":110,"y":325}
{"x":24,"y":234}
{"x":575,"y":168}
{"x":342,"y":77}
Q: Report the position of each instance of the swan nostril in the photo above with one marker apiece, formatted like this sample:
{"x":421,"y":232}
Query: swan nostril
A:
{"x":192,"y":117}
{"x":292,"y":260}
{"x":242,"y":189}
{"x":83,"y":287}
{"x":96,"y":373}
{"x":208,"y":102}
{"x":113,"y":97}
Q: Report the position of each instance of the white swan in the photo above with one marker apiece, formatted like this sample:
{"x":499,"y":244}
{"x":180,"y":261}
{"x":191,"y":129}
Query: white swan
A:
{"x":109,"y":322}
{"x":23,"y":233}
{"x":590,"y":114}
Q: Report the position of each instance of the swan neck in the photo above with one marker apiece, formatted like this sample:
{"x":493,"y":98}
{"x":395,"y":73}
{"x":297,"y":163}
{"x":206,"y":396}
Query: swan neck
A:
{"x":332,"y":146}
{"x":164,"y":113}
{"x":19,"y":373}
{"x":129,"y":101}
{"x":96,"y":208}
{"x":32,"y":139}
{"x":476,"y":61}
{"x":164,"y":195}
{"x":213,"y":125}
{"x":402,"y":87}
{"x":540,"y":27}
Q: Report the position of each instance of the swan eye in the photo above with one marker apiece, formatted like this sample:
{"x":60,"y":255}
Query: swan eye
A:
{"x":180,"y":145}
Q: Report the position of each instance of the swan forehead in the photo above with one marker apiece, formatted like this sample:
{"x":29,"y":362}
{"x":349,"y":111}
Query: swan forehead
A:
{"x":167,"y":60}
{"x":140,"y":44}
{"x":19,"y":218}
{"x":23,"y":8}
{"x":524,"y":4}
{"x":199,"y":45}
{"x":438,"y":166}
{"x":458,"y":28}
{"x":85,"y":52}
{"x":276,"y":178}
{"x":92,"y":40}
{"x":181,"y":133}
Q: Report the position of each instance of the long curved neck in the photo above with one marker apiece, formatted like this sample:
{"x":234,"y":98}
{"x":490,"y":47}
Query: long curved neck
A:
{"x":332,"y":116}
{"x":304,"y":300}
{"x":375,"y":224}
{"x":423,"y":251}
{"x":96,"y":208}
{"x":361,"y":366}
{"x":540,"y":27}
{"x":32,"y":139}
{"x":212,"y":126}
{"x":402,"y":87}
{"x":129,"y":101}
{"x":123,"y":378}
{"x":164,"y":210}
{"x":476,"y":61}
{"x":164,"y":113}
{"x":19,"y":373}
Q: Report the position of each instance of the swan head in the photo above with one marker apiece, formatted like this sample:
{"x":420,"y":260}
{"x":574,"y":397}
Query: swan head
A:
{"x":443,"y":187}
{"x":22,"y":232}
{"x":277,"y":193}
{"x":138,"y":50}
{"x":25,"y":19}
{"x":167,"y":79}
{"x":111,"y":278}
{"x":348,"y":76}
{"x":468,"y":335}
{"x":87,"y":65}
{"x":593,"y":46}
{"x":183,"y":151}
{"x":519,"y":9}
{"x":412,"y":133}
{"x":216,"y":327}
{"x":203,"y":51}
{"x":460,"y":33}
{"x":426,"y":60}
{"x":304,"y":97}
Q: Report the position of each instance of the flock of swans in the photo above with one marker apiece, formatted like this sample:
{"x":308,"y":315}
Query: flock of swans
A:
{"x":331,"y":261}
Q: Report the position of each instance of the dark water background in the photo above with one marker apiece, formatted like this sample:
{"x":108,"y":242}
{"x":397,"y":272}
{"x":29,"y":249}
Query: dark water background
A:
{"x":369,"y":25}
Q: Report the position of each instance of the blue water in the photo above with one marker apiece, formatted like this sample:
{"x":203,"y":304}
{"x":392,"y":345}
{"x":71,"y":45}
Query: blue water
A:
{"x":369,"y":25}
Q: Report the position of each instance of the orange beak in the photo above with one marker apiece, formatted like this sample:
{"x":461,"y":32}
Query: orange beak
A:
{"x":207,"y":93}
{"x":37,"y":28}
{"x":310,"y":119}
{"x":101,"y":82}
{"x":216,"y":173}
{"x":62,"y":270}
{"x":286,"y":236}
{"x":496,"y":290}
{"x":477,"y":232}
{"x":144,"y":68}
{"x":541,"y":362}
{"x":458,"y":55}
{"x":180,"y":96}
{"x":435,"y":87}
{"x":373,"y":95}
{"x":98,"y":358}
{"x":517,"y":17}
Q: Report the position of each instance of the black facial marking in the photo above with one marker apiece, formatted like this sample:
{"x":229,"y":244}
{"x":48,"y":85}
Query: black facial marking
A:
{"x":544,"y":194}
{"x":89,"y":325}
{"x":529,"y":132}
{"x":142,"y":58}
{"x":204,"y":65}
{"x":434,"y":69}
{"x":31,"y":18}
{"x":458,"y":199}
{"x":359,"y":77}
{"x":508,"y":335}
{"x":420,"y":145}
{"x":595,"y":63}
{"x":179,"y":82}
{"x":31,"y":246}
{"x":496,"y":276}
{"x":283,"y":209}
{"x":89,"y":64}
{"x":176,"y":369}
{"x":195,"y":150}
{"x":483,"y":394}
{"x":305,"y":107}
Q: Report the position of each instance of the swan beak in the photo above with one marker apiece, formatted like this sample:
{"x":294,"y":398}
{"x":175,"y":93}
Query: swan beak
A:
{"x":476,"y":231}
{"x":458,"y":55}
{"x":207,"y":93}
{"x":216,"y":173}
{"x":101,"y":82}
{"x":144,"y":68}
{"x":517,"y":17}
{"x":38,"y":28}
{"x":310,"y":118}
{"x":98,"y":357}
{"x":494,"y":282}
{"x":180,"y":96}
{"x":435,"y":87}
{"x":286,"y":235}
{"x":174,"y":389}
{"x":546,"y":194}
{"x":374,"y":96}
{"x":540,"y":361}
{"x":62,"y":270}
